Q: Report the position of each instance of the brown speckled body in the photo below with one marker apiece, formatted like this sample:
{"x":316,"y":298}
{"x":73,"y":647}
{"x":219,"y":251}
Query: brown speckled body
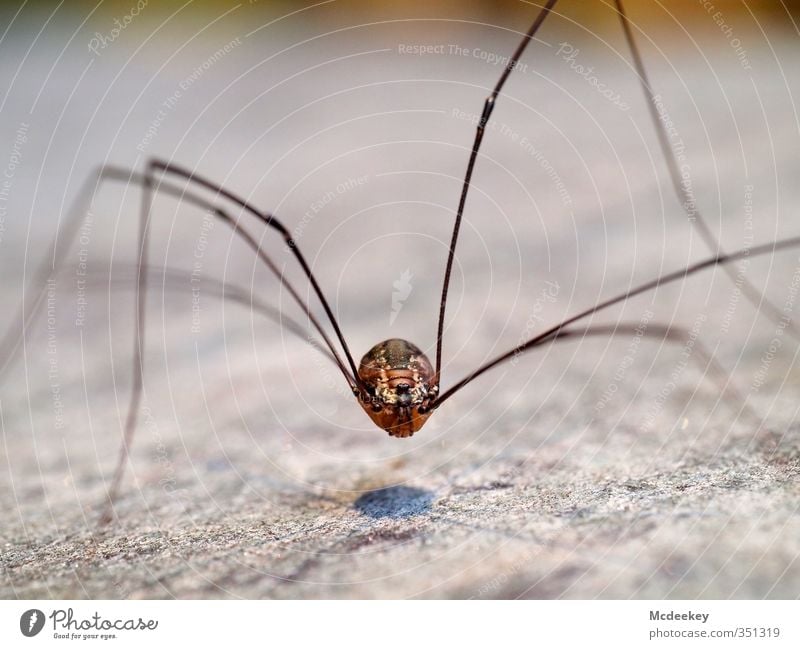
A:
{"x":399,"y":381}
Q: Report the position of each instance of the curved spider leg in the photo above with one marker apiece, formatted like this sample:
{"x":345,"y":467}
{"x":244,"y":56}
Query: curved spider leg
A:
{"x":12,"y":339}
{"x":670,"y":333}
{"x":10,"y":342}
{"x":225,"y":291}
{"x":270,"y":220}
{"x":147,"y":186}
{"x":747,"y":288}
{"x":764,"y":249}
{"x":237,"y":294}
{"x":488,"y":107}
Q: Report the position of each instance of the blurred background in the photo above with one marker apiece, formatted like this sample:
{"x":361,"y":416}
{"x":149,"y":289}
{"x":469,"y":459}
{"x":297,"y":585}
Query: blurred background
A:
{"x":352,"y":121}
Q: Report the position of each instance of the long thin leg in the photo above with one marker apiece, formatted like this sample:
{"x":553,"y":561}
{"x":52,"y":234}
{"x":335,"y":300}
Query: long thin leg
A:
{"x":138,"y":361}
{"x":781,"y":244}
{"x":234,"y":293}
{"x":13,"y":337}
{"x":174,"y":278}
{"x":750,"y":292}
{"x":672,"y":334}
{"x":138,"y":370}
{"x":273,"y":222}
{"x":227,"y":291}
{"x":488,"y":107}
{"x":11,"y":340}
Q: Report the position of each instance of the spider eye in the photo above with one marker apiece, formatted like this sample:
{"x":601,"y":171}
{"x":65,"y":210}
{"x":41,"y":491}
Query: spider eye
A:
{"x":403,"y":388}
{"x":377,"y":406}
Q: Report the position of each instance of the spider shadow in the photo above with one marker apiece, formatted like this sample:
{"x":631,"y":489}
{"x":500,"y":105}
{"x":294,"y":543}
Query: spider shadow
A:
{"x":395,"y":502}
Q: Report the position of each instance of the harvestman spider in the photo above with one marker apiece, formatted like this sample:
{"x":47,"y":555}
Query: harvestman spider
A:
{"x":395,"y":383}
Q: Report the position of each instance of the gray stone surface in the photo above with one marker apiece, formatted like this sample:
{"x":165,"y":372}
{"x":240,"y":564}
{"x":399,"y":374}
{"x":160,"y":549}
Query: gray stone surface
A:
{"x":596,"y":468}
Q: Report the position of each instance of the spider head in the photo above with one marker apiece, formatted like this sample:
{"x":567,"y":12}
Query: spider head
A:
{"x":398,"y":387}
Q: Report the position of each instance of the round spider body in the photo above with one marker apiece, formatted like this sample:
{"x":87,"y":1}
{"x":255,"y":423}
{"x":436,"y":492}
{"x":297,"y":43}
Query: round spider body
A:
{"x":399,"y":383}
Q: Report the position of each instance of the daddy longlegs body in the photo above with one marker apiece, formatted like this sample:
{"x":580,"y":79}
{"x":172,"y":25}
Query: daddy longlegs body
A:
{"x":395,"y":383}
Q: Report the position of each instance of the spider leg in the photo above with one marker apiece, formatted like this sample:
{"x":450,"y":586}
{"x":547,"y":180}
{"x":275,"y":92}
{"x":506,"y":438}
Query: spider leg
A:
{"x":12,"y":338}
{"x":223,"y":291}
{"x":669,"y":333}
{"x":488,"y":107}
{"x":271,"y":221}
{"x":764,"y":249}
{"x":750,"y":292}
{"x":138,"y":387}
{"x":226,"y":291}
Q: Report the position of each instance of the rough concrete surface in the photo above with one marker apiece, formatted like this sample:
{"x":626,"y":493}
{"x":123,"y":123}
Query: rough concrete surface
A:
{"x":620,"y":467}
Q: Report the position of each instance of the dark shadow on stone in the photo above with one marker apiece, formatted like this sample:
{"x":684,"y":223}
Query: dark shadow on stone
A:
{"x":394,"y":502}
